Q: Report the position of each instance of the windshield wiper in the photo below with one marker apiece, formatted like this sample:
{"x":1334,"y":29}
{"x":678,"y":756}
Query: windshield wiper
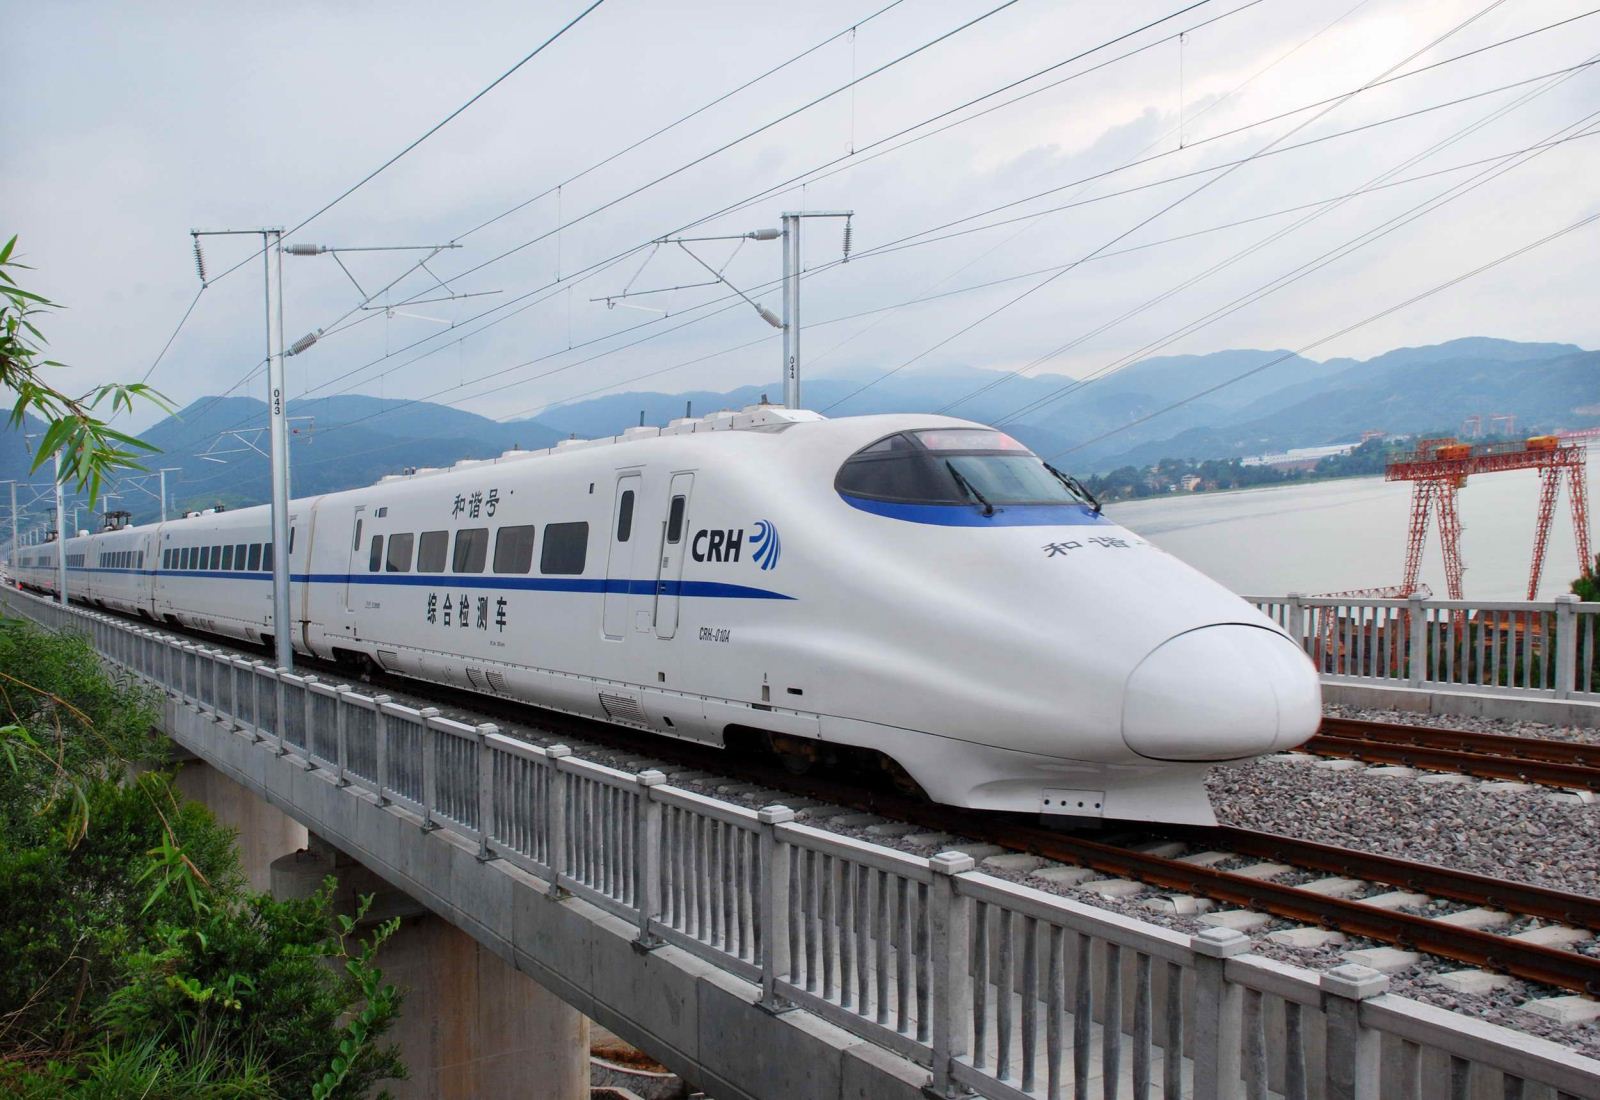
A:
{"x":1077,"y":489}
{"x":972,"y":490}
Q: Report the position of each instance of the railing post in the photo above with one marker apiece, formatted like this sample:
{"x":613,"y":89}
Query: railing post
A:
{"x":647,"y":860}
{"x":255,"y":699}
{"x":485,"y":789}
{"x":1217,"y":1015}
{"x":341,"y":730}
{"x":1566,"y":645}
{"x":308,"y":710}
{"x":1353,"y":1050}
{"x":949,"y":927}
{"x":1417,"y":624}
{"x":1297,"y":619}
{"x":233,"y":694}
{"x":555,"y":824}
{"x":380,"y":733}
{"x":282,"y":719}
{"x":774,"y":903}
{"x":430,"y":775}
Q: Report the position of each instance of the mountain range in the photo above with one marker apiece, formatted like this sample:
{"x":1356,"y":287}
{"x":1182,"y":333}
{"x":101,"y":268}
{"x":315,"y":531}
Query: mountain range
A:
{"x":1221,"y":405}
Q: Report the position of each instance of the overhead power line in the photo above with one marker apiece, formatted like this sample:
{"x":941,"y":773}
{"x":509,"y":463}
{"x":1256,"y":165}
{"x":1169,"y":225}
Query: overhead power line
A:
{"x":1497,"y":166}
{"x":434,"y":129}
{"x":1147,"y":220}
{"x":1380,"y":315}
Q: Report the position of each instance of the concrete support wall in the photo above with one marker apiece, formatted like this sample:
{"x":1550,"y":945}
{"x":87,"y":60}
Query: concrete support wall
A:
{"x":698,"y":1020}
{"x":265,"y":832}
{"x":474,"y":1026}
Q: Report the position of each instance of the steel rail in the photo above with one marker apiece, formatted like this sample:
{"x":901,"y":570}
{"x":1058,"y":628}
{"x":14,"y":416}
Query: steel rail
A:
{"x":1492,"y":756}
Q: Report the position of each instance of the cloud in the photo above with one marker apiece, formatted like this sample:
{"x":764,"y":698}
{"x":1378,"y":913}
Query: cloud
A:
{"x":140,"y":127}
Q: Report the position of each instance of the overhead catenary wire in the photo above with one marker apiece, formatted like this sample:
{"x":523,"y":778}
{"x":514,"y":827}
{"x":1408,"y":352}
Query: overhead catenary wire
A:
{"x":656,"y":372}
{"x":1147,"y":220}
{"x":1272,"y":285}
{"x":434,"y":129}
{"x":1345,"y":331}
{"x":916,"y":240}
{"x":609,"y":335}
{"x":557,"y":188}
{"x":684,"y":324}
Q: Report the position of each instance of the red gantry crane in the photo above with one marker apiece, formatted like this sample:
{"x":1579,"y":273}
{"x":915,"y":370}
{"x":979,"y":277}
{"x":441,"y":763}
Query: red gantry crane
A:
{"x":1439,"y":467}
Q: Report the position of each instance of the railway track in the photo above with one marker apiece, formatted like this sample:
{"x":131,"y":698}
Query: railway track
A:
{"x":1568,"y":764}
{"x":1129,"y":857}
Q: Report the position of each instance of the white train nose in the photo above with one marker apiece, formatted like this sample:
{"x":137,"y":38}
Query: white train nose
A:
{"x":1220,"y":693}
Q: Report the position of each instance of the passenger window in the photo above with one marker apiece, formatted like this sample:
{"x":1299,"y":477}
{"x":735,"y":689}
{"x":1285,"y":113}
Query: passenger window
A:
{"x":566,"y":547}
{"x":266,"y":556}
{"x":202,"y":556}
{"x":227,"y":557}
{"x":430,"y":554}
{"x":513,"y":549}
{"x":216,"y":557}
{"x":140,"y":564}
{"x":675,"y":520}
{"x":400,"y":553}
{"x":238,"y":555}
{"x":166,"y":559}
{"x":625,"y":517}
{"x":255,"y":556}
{"x":356,"y":545}
{"x":472,"y":548}
{"x":375,"y":555}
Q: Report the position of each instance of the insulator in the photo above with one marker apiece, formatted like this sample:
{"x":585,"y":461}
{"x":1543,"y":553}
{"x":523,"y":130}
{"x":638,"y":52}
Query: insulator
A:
{"x":199,"y":261}
{"x":847,"y":230}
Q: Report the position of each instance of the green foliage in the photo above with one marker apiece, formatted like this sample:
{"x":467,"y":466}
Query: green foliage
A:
{"x":90,"y":448}
{"x":133,"y":961}
{"x":1587,"y":586}
{"x":286,"y":981}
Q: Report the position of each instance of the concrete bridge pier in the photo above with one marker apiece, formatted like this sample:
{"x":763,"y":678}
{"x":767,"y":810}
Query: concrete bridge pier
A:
{"x":472,"y":1025}
{"x":265,"y":832}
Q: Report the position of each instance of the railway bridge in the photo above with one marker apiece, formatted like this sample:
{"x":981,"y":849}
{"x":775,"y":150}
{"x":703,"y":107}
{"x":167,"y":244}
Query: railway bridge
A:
{"x":753,"y":955}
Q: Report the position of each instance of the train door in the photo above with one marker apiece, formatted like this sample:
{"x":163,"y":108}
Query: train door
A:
{"x":358,"y":564}
{"x":674,"y":543}
{"x":621,"y":562}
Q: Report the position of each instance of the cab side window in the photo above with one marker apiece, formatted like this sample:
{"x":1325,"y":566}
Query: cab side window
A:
{"x":399,"y":559}
{"x":431,"y":552}
{"x":472,"y":549}
{"x":566,"y":548}
{"x":375,"y":555}
{"x":513,"y":549}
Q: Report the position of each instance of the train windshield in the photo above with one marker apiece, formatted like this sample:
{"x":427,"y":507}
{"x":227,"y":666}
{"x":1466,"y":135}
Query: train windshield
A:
{"x":953,"y":466}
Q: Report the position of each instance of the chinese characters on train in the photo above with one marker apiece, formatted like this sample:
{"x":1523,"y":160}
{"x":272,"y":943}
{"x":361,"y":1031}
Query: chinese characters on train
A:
{"x":1062,"y":549}
{"x":476,"y":504}
{"x":467,"y":612}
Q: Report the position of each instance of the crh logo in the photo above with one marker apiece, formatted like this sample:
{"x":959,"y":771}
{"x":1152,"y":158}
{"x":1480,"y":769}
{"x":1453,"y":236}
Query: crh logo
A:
{"x":764,"y":543}
{"x":717,"y":544}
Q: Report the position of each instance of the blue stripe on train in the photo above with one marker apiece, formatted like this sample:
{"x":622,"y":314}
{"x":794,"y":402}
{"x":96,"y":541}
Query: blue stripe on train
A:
{"x":590,"y":585}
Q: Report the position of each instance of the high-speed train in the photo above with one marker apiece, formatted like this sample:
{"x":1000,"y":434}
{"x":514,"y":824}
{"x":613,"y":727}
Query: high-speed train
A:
{"x":918,"y":592}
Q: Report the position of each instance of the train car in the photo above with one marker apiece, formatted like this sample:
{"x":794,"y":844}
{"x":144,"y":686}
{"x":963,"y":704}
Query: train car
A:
{"x":916,"y":592}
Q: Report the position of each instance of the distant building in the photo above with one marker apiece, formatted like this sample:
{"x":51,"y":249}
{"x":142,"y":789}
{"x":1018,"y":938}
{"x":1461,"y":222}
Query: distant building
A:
{"x":1298,"y":457}
{"x":1190,"y":482}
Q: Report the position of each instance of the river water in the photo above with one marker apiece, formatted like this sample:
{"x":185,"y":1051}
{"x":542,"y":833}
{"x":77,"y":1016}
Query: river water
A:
{"x":1328,"y":536}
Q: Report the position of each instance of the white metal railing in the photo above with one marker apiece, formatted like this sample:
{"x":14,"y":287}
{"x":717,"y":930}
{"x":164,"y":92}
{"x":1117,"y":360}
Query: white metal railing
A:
{"x":997,"y":988}
{"x":1548,"y":649}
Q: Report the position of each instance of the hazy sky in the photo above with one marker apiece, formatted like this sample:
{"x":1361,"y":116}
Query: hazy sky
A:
{"x":129,"y":124}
